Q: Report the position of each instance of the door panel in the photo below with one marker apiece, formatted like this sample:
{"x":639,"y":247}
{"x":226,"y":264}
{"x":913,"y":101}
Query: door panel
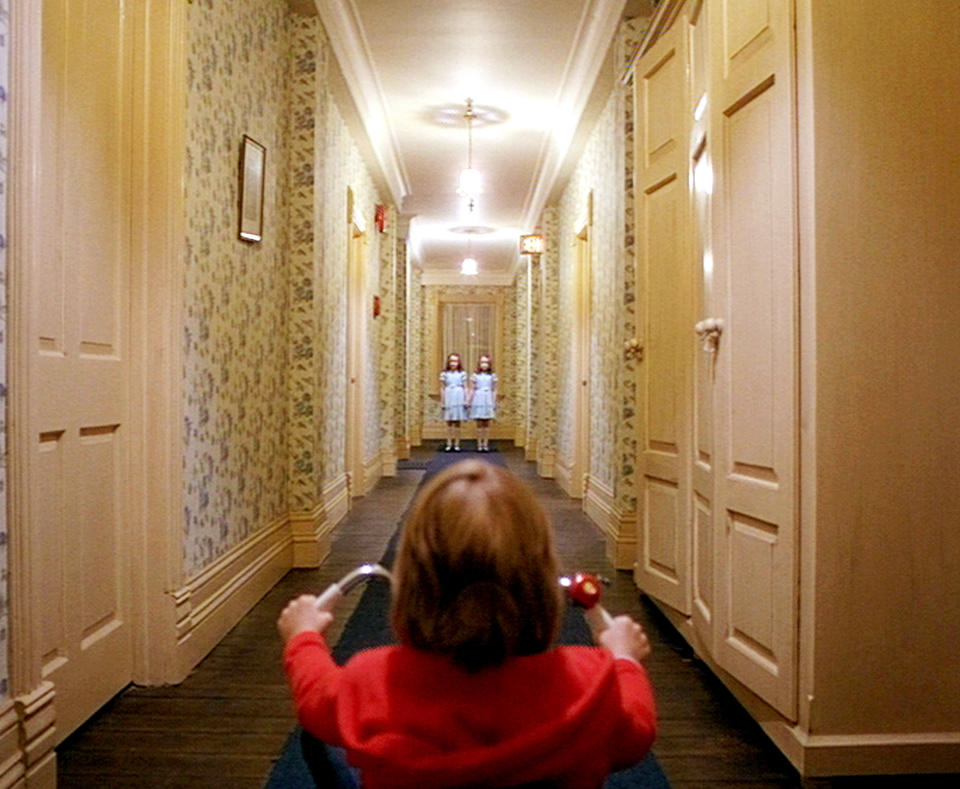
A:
{"x":755,"y":258}
{"x":79,"y":370}
{"x":662,"y":213}
{"x":702,"y":476}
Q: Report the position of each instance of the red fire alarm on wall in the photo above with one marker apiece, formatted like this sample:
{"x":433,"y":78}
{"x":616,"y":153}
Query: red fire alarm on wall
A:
{"x":376,"y":306}
{"x":380,"y":217}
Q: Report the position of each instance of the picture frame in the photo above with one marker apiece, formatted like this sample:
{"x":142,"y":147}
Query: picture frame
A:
{"x":253,"y":160}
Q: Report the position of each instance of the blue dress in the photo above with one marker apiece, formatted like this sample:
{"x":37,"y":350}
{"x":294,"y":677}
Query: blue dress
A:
{"x":454,"y":395}
{"x":484,"y":403}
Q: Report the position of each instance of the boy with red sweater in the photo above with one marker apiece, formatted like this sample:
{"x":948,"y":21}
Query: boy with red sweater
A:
{"x":474,"y":695}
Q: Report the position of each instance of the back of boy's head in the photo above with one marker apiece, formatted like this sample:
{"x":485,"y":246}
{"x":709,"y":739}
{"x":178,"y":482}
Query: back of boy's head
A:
{"x":476,"y":573}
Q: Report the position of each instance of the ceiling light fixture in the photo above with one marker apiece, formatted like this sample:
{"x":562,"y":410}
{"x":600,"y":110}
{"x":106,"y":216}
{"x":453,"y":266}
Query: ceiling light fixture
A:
{"x":469,"y":265}
{"x":469,"y":178}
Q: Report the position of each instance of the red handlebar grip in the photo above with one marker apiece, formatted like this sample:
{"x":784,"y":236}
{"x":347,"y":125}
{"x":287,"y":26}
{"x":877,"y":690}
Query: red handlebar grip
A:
{"x":584,"y":589}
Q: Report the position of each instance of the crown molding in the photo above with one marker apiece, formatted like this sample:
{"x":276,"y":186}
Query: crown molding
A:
{"x":587,"y":54}
{"x":500,"y":279}
{"x":342,"y":22}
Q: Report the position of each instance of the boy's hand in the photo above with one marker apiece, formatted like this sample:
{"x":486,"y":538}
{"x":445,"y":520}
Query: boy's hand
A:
{"x":625,"y":638}
{"x":301,"y":615}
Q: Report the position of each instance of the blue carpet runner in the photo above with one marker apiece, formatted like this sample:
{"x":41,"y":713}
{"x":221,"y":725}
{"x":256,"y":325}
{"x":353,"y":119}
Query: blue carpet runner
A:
{"x":369,"y":626}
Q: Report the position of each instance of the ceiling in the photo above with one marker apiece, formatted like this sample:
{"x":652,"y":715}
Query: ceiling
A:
{"x":528,"y":65}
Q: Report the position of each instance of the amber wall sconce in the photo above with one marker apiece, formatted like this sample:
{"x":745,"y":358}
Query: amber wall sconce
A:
{"x":531,"y":245}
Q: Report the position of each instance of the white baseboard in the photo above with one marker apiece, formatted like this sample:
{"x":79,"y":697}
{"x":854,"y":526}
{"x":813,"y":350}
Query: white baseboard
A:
{"x":372,"y":471}
{"x":530,"y":450}
{"x":498,"y":430}
{"x":210,"y":604}
{"x":564,"y":477}
{"x":520,"y":436}
{"x":310,"y":537}
{"x":388,"y":462}
{"x":619,"y":529}
{"x":28,"y":737}
{"x":547,"y":464}
{"x":336,"y":499}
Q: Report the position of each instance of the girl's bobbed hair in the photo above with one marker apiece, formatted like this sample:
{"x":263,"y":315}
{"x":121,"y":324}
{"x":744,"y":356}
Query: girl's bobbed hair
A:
{"x":459,"y":366}
{"x":476,"y":574}
{"x":489,"y":361}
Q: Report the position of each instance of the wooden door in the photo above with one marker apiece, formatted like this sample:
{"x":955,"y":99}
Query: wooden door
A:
{"x":356,"y":341}
{"x":704,"y":354}
{"x":78,"y":359}
{"x":580,"y":360}
{"x":755,"y":258}
{"x":663,"y":296}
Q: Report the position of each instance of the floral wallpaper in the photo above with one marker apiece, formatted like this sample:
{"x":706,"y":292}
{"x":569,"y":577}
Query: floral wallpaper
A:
{"x":628,"y":40}
{"x":304,"y":403}
{"x":389,"y":374}
{"x":4,"y":573}
{"x":521,"y":350}
{"x":401,"y":429}
{"x":235,"y":354}
{"x":547,"y":378}
{"x":415,"y":375}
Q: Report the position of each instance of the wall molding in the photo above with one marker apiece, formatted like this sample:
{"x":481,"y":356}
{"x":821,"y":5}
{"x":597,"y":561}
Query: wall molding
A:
{"x":388,"y":460}
{"x":598,"y":26}
{"x":520,"y":435}
{"x":547,"y":463}
{"x":214,"y":601}
{"x":618,"y":527}
{"x":336,"y":499}
{"x":531,"y":451}
{"x":28,"y":737}
{"x":563,"y":471}
{"x":12,"y":757}
{"x":371,"y":475}
{"x":503,"y":431}
{"x":310,"y":536}
{"x":341,"y":20}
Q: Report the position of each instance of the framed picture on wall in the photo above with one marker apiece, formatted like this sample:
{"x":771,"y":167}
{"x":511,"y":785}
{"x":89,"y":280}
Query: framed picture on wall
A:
{"x":253,"y":158}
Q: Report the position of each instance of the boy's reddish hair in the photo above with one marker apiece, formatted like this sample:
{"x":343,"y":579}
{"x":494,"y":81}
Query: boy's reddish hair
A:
{"x":476,"y":573}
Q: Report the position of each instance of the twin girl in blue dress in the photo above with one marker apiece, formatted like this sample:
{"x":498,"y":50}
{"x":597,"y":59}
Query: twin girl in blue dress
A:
{"x":460,"y":403}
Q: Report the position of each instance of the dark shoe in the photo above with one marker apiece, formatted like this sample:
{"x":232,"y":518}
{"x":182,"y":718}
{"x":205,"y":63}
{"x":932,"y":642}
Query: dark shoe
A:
{"x":456,"y":448}
{"x":447,"y":449}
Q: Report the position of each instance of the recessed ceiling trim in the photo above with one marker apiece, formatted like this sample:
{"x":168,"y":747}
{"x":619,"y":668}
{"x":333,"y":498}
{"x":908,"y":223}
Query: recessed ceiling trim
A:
{"x":342,"y":23}
{"x":433,"y":277}
{"x":587,"y":54}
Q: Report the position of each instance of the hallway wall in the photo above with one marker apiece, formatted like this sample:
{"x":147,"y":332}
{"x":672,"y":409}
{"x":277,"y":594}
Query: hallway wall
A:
{"x":235,"y":310}
{"x":4,"y":577}
{"x":342,"y":167}
{"x":600,"y":172}
{"x":264,"y":366}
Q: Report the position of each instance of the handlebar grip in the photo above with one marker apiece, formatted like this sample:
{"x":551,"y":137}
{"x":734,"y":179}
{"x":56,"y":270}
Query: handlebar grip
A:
{"x":332,"y":595}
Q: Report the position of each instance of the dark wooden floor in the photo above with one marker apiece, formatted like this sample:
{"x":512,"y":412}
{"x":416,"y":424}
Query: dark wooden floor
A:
{"x":224,"y":725}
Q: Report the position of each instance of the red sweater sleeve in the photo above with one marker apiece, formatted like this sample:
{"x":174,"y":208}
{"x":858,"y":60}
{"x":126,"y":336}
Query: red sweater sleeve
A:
{"x":314,"y":681}
{"x":638,"y":728}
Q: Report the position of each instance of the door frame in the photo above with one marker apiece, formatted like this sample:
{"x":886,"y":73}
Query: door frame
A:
{"x":582,"y":287}
{"x":356,"y":339}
